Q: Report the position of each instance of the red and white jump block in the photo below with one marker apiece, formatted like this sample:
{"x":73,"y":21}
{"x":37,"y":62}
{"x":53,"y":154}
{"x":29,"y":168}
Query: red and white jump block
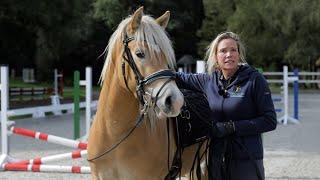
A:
{"x":37,"y":164}
{"x":45,"y":168}
{"x":49,"y":138}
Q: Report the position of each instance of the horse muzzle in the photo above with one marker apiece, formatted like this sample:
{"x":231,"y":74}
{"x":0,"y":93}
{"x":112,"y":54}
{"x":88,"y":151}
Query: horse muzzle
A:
{"x":169,"y":101}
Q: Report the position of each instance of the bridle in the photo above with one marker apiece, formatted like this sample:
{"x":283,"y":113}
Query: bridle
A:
{"x":140,"y":80}
{"x":145,"y":103}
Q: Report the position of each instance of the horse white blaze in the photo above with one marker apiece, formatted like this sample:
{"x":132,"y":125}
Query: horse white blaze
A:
{"x":169,"y":101}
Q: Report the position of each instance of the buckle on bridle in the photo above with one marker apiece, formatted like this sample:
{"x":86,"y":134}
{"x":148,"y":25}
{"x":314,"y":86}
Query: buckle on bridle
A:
{"x":127,"y":39}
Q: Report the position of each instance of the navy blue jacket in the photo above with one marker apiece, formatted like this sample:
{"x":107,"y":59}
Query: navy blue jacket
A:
{"x":247,"y":102}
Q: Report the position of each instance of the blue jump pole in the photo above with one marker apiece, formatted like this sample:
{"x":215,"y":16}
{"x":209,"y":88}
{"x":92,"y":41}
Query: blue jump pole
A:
{"x":296,"y":95}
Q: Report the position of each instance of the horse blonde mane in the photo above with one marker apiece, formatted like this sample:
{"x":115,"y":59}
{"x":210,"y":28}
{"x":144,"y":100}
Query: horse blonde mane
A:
{"x":150,"y":33}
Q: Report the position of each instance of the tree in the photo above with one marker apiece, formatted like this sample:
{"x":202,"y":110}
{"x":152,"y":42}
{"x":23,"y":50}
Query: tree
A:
{"x":53,"y":28}
{"x":278,"y":32}
{"x":63,"y":25}
{"x":216,"y":15}
{"x":186,"y":18}
{"x":111,"y":12}
{"x":274,"y":32}
{"x":16,"y":38}
{"x":248,"y":21}
{"x":301,"y":29}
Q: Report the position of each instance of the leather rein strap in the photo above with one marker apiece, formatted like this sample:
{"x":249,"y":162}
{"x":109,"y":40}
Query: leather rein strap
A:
{"x":141,"y":82}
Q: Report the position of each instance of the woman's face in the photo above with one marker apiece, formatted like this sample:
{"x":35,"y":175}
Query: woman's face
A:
{"x":228,"y":54}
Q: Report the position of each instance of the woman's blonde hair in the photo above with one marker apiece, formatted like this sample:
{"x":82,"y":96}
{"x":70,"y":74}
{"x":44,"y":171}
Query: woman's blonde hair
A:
{"x":211,"y":54}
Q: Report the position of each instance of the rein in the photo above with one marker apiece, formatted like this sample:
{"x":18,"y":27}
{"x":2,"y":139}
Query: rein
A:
{"x":141,"y":83}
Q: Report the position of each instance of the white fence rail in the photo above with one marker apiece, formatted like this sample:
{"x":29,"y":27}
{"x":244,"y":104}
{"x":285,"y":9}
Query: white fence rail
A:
{"x":43,"y":109}
{"x":314,"y":77}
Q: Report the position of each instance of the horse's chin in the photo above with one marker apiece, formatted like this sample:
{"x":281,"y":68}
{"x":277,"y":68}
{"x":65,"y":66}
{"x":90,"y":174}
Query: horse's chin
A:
{"x":161,"y":114}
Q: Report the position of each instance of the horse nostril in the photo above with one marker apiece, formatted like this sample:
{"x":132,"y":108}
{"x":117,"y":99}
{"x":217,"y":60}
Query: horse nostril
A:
{"x":168,"y":102}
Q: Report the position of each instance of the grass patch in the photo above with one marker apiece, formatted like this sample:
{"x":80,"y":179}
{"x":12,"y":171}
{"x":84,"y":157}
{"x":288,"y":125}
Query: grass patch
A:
{"x":14,"y":82}
{"x":275,"y":89}
{"x":67,"y":91}
{"x":14,"y":118}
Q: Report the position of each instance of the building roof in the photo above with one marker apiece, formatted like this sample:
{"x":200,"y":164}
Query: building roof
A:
{"x":186,"y":60}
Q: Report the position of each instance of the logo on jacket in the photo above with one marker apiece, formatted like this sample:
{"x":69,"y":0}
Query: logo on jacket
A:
{"x":237,"y":89}
{"x":237,"y":92}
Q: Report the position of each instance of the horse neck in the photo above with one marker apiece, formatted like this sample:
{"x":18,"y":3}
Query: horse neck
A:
{"x":120,"y":108}
{"x":117,"y":114}
{"x":120,"y":105}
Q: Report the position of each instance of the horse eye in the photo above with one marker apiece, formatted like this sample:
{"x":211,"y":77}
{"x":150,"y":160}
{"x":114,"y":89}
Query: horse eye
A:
{"x":140,"y":54}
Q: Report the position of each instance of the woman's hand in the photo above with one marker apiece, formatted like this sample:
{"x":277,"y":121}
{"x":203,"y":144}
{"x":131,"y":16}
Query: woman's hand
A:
{"x":222,"y":129}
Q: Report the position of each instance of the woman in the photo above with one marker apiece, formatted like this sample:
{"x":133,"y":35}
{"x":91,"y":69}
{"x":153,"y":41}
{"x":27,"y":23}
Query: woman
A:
{"x":241,"y":107}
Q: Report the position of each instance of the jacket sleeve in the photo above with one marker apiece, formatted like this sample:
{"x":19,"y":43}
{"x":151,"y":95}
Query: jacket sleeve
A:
{"x":194,"y":82}
{"x":266,"y":116}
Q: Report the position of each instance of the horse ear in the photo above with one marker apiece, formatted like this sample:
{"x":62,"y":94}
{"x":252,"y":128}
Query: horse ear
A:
{"x":164,"y":19}
{"x":135,"y":21}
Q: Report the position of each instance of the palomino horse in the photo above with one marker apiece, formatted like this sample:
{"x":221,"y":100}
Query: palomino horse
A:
{"x":119,"y":146}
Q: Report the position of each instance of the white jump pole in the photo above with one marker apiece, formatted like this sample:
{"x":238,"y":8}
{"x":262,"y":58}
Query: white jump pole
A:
{"x":286,"y":79}
{"x":201,"y":67}
{"x":4,"y":117}
{"x":88,"y":97}
{"x":88,"y":84}
{"x":56,"y":77}
{"x":55,"y":82}
{"x":55,"y":99}
{"x":54,"y":158}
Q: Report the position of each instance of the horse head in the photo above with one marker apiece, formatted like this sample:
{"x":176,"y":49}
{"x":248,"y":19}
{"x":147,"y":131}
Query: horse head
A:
{"x":147,"y":62}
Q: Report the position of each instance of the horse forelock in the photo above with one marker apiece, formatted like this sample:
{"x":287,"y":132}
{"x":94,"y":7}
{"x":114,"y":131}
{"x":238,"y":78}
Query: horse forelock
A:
{"x":150,"y":33}
{"x":156,"y":38}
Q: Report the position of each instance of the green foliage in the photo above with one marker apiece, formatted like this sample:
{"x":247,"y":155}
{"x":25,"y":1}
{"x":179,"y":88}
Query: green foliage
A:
{"x":16,"y":37}
{"x":248,"y":21}
{"x":64,"y":27}
{"x":111,"y":12}
{"x":17,"y":82}
{"x":186,"y":18}
{"x":216,"y":15}
{"x":274,"y":32}
{"x":297,"y":27}
{"x":72,"y":34}
{"x":54,"y":28}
